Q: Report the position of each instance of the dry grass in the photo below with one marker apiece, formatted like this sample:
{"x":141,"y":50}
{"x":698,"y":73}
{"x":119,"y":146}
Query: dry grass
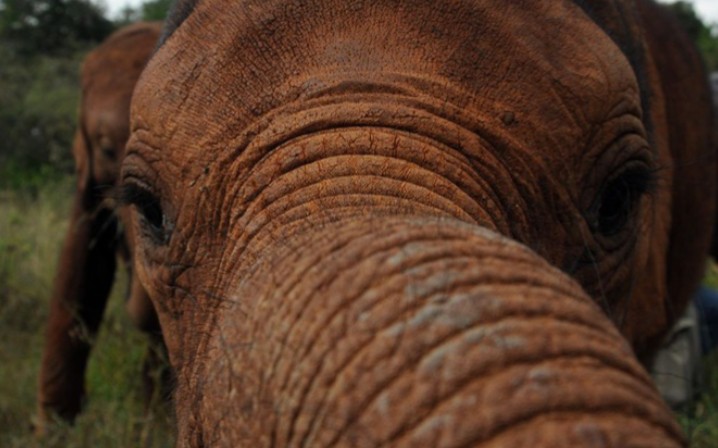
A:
{"x":31,"y":229}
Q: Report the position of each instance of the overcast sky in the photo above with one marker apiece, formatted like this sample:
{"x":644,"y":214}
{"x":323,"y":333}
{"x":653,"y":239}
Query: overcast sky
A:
{"x":707,"y":9}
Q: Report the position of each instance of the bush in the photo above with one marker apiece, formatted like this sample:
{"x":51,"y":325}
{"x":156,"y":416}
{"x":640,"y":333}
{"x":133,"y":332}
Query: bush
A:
{"x":38,"y":116}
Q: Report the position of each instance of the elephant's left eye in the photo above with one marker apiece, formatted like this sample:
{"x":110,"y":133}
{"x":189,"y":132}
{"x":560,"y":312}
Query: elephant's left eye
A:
{"x":153,"y":219}
{"x":619,"y":199}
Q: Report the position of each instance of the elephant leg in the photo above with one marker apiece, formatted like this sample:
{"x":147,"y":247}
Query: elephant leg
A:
{"x":82,"y":284}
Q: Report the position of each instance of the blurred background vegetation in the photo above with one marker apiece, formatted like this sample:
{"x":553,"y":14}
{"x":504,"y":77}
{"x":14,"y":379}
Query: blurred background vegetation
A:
{"x":42,"y":43}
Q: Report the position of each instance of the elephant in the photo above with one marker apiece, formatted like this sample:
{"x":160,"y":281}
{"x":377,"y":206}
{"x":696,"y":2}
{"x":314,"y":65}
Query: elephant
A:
{"x":96,"y":235}
{"x":420,"y":223}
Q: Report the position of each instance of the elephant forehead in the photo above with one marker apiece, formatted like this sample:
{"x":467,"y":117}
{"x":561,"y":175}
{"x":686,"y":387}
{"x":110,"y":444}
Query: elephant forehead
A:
{"x":101,"y":120}
{"x":544,"y":60}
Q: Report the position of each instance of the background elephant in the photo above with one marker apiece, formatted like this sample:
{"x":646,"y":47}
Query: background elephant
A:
{"x":96,"y":233}
{"x":411,"y":223}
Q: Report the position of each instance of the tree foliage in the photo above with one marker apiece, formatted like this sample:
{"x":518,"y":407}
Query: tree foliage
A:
{"x":38,"y":110}
{"x":704,"y":35}
{"x":42,"y":44}
{"x":51,"y":26}
{"x":155,"y":9}
{"x":150,"y":10}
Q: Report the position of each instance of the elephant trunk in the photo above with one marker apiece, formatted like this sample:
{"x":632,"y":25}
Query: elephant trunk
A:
{"x":405,"y":330}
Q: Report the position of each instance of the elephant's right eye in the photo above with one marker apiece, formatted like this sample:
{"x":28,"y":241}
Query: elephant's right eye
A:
{"x":153,"y":220}
{"x":620,"y":198}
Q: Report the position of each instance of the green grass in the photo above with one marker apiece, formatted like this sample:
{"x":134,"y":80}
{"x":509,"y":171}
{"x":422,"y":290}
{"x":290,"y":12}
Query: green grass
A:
{"x":701,"y":427}
{"x":701,"y":422}
{"x":32,"y":225}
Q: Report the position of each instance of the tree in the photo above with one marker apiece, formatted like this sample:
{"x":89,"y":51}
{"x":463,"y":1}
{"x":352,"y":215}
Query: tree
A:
{"x":693,"y":25}
{"x":51,"y":26}
{"x":155,"y":9}
{"x":41,"y":47}
{"x":149,"y":10}
{"x":38,"y":114}
{"x":705,"y":36}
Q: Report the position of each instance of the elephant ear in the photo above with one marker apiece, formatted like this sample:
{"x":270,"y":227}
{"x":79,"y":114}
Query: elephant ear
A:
{"x":685,"y":92}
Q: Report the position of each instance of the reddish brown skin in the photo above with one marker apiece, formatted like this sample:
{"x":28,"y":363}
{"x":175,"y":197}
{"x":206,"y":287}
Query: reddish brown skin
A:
{"x":691,"y":139}
{"x":95,"y":235}
{"x":379,"y":223}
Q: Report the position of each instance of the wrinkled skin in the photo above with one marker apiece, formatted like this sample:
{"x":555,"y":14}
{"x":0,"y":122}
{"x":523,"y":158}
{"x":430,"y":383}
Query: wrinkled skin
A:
{"x":419,"y":223}
{"x":96,"y":234}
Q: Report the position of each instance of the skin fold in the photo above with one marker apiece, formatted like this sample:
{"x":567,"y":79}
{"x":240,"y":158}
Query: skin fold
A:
{"x":418,"y":223}
{"x":97,"y":234}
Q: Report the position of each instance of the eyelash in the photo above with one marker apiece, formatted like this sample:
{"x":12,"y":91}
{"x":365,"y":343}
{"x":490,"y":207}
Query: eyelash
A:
{"x":619,"y":198}
{"x":149,"y":207}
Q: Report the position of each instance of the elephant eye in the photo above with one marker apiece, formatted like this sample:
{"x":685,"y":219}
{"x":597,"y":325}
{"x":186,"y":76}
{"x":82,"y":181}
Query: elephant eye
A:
{"x":619,"y":199}
{"x":107,"y":148}
{"x":153,"y":220}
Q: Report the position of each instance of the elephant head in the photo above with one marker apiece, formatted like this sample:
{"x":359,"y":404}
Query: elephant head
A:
{"x":410,"y":223}
{"x":109,"y":75}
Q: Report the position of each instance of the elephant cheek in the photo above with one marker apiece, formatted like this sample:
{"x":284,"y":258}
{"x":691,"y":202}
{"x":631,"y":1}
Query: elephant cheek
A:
{"x":409,"y":332}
